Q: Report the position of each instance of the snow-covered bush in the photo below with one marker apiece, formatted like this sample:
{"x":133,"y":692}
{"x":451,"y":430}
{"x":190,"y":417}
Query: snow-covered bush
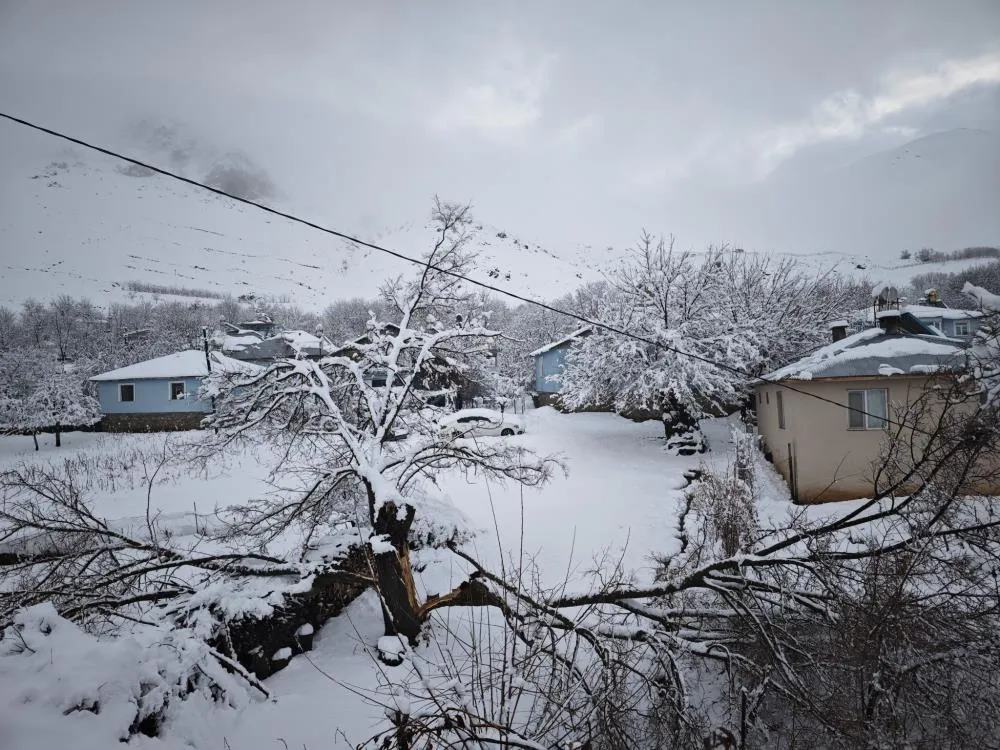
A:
{"x":61,"y":682}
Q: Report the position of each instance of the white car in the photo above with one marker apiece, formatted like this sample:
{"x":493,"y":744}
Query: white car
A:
{"x":480,"y":423}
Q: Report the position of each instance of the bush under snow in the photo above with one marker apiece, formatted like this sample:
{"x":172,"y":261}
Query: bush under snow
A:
{"x":64,"y":686}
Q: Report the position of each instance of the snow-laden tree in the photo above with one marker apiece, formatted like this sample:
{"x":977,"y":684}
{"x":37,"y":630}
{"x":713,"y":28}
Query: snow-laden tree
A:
{"x":703,"y":324}
{"x":676,"y":306}
{"x":58,"y":403}
{"x":360,"y":441}
{"x":37,"y":394}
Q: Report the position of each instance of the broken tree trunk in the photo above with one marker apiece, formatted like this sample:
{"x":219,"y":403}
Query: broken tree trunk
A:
{"x":392,"y":571}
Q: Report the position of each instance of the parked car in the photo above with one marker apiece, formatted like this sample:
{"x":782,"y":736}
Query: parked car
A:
{"x":480,"y":423}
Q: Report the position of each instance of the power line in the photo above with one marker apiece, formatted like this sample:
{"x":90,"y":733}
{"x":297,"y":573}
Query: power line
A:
{"x":481,"y":284}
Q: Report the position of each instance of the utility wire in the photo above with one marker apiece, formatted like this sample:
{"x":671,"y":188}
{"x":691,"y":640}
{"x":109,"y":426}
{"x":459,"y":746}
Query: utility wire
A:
{"x":416,"y":261}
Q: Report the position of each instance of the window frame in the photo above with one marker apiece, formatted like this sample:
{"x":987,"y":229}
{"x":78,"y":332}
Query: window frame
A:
{"x":170,"y":390}
{"x":866,"y":413}
{"x":126,"y":400}
{"x":965,"y":325}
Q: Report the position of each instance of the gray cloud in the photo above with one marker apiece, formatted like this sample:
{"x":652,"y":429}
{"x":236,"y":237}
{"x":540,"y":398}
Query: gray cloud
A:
{"x":574,"y":122}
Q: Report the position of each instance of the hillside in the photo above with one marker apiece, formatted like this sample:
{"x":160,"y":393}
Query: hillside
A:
{"x":87,"y":225}
{"x":80,"y":223}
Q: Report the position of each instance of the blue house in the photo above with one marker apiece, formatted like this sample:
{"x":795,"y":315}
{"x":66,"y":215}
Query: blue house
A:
{"x":549,"y":363}
{"x":956,"y":324}
{"x":158,"y":394}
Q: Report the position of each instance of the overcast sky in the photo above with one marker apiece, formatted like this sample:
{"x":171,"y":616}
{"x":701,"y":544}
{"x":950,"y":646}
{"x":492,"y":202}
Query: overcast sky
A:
{"x":569,"y":120}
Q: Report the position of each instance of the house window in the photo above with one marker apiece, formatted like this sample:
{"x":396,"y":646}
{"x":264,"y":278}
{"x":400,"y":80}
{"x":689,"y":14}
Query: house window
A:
{"x":781,"y":410}
{"x":961,"y":328}
{"x":126,"y":392}
{"x":767,"y":397}
{"x":177,"y":391}
{"x":868,"y":410}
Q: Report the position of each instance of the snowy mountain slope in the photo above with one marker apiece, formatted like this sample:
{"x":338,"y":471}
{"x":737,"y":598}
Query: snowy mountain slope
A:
{"x":864,"y":266}
{"x":88,"y":225}
{"x":85,"y":225}
{"x":939,"y":191}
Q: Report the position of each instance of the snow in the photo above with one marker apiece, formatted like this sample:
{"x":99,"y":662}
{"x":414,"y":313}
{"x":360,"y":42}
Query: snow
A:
{"x":62,"y":687}
{"x":302,"y":340}
{"x":186,"y":364}
{"x":841,"y":323}
{"x":282,"y":654}
{"x":90,"y":230}
{"x":615,"y":506}
{"x":986,"y":299}
{"x":885,"y":369}
{"x":872,"y":343}
{"x":944,"y":313}
{"x":392,"y":646}
{"x":565,"y":340}
{"x":239,"y":343}
{"x":304,"y":630}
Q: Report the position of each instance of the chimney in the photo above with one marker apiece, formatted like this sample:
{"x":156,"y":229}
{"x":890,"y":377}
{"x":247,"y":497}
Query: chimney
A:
{"x":838,"y":329}
{"x":888,"y":320}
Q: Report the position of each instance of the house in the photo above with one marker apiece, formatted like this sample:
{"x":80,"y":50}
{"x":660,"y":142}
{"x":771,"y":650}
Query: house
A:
{"x":259,"y":342}
{"x":931,"y":314}
{"x":439,"y":379}
{"x":158,"y":394}
{"x":824,"y":418}
{"x":958,"y":324}
{"x":549,"y":362}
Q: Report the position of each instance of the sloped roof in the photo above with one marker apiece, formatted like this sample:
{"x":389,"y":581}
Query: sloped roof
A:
{"x":563,"y":341}
{"x":876,"y":352}
{"x":186,"y":364}
{"x":945,"y":313}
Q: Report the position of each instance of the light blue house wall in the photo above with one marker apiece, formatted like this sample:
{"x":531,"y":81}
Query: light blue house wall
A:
{"x":550,"y":363}
{"x":152,"y":396}
{"x":948,"y":326}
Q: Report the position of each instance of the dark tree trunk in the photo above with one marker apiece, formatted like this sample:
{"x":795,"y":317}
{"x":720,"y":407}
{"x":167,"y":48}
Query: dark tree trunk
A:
{"x":34,"y":436}
{"x":393,"y":575}
{"x":58,"y":437}
{"x":680,"y":428}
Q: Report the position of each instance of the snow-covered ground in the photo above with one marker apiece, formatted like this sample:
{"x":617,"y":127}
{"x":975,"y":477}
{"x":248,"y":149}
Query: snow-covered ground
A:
{"x":616,"y":503}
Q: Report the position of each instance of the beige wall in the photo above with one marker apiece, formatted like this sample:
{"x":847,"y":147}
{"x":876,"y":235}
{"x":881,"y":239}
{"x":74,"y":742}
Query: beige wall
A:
{"x":832,"y":462}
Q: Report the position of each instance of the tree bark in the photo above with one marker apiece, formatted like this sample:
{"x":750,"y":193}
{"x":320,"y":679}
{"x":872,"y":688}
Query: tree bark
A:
{"x":34,"y":436}
{"x":58,"y":437}
{"x":393,"y":574}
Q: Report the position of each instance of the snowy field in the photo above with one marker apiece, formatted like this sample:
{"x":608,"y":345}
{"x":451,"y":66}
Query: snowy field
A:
{"x":615,"y":505}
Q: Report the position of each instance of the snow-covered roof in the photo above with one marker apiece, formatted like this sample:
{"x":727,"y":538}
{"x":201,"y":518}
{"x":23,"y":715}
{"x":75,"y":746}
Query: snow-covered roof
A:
{"x":571,"y":337}
{"x":240,"y":342}
{"x":945,"y":313}
{"x":186,"y":364}
{"x":876,"y":352}
{"x":300,"y":340}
